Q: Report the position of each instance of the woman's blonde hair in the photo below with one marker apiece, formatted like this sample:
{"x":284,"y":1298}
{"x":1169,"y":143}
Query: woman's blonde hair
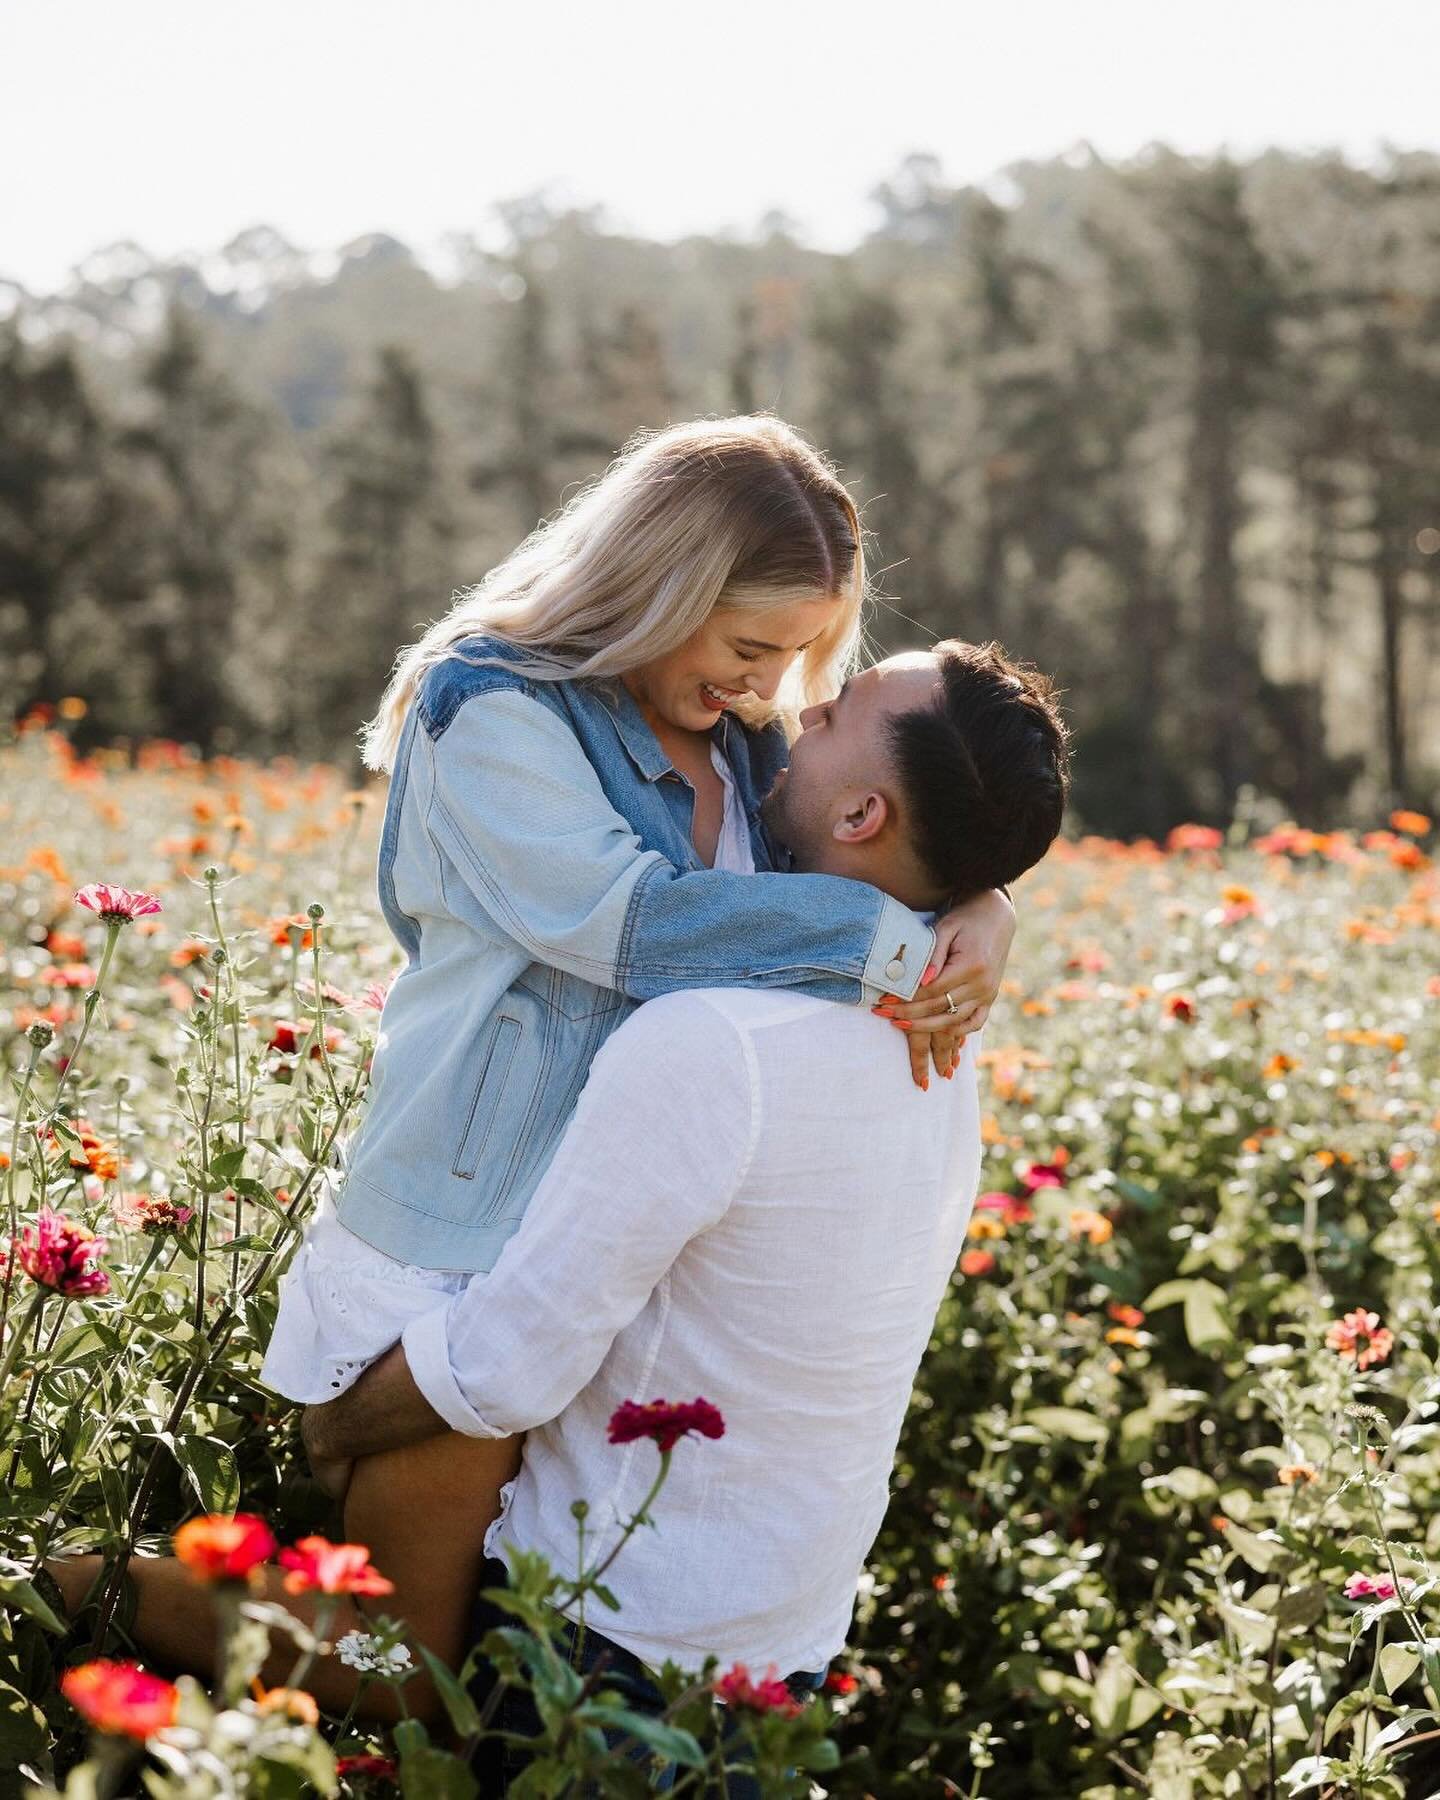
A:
{"x":738,"y":512}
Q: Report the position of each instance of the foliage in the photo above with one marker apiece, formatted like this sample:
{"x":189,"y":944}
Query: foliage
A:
{"x":1152,"y":1447}
{"x":1178,"y":406}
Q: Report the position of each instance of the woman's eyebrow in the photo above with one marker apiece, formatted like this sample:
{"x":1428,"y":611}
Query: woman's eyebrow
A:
{"x":755,"y":644}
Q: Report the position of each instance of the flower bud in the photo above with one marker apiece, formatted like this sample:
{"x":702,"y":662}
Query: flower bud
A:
{"x":212,"y":874}
{"x":41,"y":1034}
{"x":316,"y":911}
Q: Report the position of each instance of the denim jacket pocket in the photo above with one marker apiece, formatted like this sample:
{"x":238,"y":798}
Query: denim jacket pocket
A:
{"x":496,"y":1057}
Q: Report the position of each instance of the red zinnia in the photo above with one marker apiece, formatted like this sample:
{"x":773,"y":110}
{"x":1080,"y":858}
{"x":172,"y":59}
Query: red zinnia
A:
{"x":221,"y":1548}
{"x":768,"y":1695}
{"x":318,"y":1566}
{"x":56,"y":1253}
{"x":116,"y":905}
{"x":665,"y":1422}
{"x":383,"y":1768}
{"x":839,"y":1681}
{"x":120,"y":1697}
{"x":1044,"y":1175}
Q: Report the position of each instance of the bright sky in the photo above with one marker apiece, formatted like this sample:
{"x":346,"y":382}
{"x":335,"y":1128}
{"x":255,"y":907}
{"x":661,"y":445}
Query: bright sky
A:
{"x":180,"y":122}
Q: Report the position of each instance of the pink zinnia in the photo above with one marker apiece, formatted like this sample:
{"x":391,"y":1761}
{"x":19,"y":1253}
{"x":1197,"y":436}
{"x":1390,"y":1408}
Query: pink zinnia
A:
{"x":116,"y":905}
{"x":665,"y":1422}
{"x":1367,"y":1587}
{"x":57,"y":1253}
{"x":315,"y":1565}
{"x":154,"y":1214}
{"x":1361,"y":1337}
{"x":1044,"y":1175}
{"x":736,"y":1687}
{"x":121,"y":1698}
{"x":1011,"y":1208}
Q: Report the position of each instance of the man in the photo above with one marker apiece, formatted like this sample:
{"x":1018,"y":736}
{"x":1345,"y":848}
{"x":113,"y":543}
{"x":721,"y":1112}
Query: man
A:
{"x":752,"y":1203}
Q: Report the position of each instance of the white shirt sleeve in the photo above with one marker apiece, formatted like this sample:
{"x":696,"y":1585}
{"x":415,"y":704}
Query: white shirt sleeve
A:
{"x":658,"y":1147}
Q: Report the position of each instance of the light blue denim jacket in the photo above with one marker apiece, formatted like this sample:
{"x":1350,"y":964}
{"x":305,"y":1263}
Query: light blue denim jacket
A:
{"x":537,"y":868}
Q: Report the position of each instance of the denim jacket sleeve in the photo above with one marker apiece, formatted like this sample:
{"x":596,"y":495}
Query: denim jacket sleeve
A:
{"x":517,"y":810}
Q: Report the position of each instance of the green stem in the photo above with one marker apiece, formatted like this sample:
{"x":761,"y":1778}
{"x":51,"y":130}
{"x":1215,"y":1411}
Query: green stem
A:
{"x":18,"y":1337}
{"x":113,"y":928}
{"x":12,"y":1209}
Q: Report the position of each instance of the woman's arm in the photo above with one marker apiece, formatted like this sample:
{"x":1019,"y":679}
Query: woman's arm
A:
{"x":515,"y":807}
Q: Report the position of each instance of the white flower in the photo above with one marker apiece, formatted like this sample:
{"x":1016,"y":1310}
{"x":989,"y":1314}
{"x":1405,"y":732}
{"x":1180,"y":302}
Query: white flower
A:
{"x":371,"y":1655}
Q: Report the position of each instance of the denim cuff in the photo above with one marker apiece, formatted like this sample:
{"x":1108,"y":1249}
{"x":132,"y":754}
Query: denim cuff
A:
{"x":899,"y":954}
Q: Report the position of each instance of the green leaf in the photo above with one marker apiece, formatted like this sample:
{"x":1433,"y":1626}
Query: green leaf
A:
{"x":228,"y":1164}
{"x":432,"y":1774}
{"x":22,"y":1728}
{"x":669,"y":1741}
{"x":1398,"y":1662}
{"x":1189,"y":1486}
{"x":210,"y":1468}
{"x":463,"y":1713}
{"x":1068,"y":1422}
{"x":16,"y":1590}
{"x":1205,"y":1320}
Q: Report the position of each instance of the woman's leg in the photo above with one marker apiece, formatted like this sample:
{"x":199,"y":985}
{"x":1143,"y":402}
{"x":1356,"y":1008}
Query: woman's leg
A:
{"x":423,"y":1513}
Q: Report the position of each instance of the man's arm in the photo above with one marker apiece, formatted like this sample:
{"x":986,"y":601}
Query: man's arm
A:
{"x":657,"y":1149}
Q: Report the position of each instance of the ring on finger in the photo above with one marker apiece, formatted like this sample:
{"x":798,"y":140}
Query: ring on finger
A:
{"x":950,"y":1005}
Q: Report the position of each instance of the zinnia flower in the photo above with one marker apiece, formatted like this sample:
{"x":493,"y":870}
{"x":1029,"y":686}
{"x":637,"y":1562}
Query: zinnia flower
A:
{"x":1361,"y":1337}
{"x":1367,"y":1587}
{"x":1011,"y":1208}
{"x":977,"y":1262}
{"x":1181,"y":1007}
{"x":57,"y":1253}
{"x":383,"y":1768}
{"x":219,"y":1547}
{"x":1125,"y":1315}
{"x":293,"y":1703}
{"x":1297,"y":1475}
{"x":154,"y":1214}
{"x":840,"y":1681}
{"x":768,"y":1695}
{"x":1093,"y":1225}
{"x":665,"y":1422}
{"x":1044,"y":1175}
{"x":317,"y":1566}
{"x":116,"y":905}
{"x":1415,"y":824}
{"x":1194,"y":837}
{"x":121,"y":1698}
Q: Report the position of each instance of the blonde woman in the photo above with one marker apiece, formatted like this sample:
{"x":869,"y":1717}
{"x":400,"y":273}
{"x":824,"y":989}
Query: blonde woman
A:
{"x":578,"y":752}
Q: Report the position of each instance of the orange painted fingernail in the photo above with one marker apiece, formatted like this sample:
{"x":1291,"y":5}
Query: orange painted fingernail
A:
{"x":902,"y":1024}
{"x":930,"y":973}
{"x":925,"y":1085}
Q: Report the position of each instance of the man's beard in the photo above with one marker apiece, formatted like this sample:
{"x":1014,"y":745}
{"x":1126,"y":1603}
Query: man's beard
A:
{"x":773,"y":818}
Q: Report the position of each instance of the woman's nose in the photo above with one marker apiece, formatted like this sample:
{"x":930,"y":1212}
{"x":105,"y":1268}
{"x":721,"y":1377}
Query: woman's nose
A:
{"x":764,"y":686}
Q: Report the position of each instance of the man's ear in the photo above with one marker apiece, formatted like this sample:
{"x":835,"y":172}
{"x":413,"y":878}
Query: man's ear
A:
{"x":863,"y":819}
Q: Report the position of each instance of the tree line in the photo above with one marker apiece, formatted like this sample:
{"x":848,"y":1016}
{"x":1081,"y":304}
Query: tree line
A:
{"x":1166,"y":428}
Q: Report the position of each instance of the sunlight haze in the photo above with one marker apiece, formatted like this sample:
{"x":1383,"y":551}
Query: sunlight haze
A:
{"x":180,"y":126}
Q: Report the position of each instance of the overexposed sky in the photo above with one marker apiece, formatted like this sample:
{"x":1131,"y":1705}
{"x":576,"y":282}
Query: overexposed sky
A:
{"x":180,"y":122}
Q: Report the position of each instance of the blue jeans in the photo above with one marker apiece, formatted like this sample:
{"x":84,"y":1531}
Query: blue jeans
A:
{"x":624,"y":1674}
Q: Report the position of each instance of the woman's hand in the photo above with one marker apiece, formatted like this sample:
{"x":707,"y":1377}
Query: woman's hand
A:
{"x":972,"y":946}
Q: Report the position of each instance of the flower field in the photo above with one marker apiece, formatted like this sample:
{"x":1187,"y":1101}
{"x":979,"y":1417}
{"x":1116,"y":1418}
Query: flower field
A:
{"x":1164,"y":1519}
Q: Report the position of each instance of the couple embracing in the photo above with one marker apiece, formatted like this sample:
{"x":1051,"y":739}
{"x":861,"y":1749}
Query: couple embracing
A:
{"x":639,"y":763}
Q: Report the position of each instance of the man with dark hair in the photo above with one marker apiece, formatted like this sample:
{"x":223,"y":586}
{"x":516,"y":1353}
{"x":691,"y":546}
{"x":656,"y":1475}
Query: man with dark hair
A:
{"x":753,"y":1203}
{"x":934,"y":775}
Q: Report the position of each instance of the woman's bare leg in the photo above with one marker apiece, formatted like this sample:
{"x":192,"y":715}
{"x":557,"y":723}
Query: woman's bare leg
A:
{"x":423,"y":1512}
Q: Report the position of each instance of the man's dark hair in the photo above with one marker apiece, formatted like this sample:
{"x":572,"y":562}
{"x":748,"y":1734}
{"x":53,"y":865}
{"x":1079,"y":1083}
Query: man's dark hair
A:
{"x":983,"y":772}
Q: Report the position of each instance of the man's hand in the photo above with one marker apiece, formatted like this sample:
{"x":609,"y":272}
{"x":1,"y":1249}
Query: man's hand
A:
{"x":382,"y":1411}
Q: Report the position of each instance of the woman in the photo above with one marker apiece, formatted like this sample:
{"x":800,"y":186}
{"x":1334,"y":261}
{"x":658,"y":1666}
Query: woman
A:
{"x":578,"y":752}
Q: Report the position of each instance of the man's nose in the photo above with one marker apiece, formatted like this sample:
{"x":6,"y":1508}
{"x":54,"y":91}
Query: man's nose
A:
{"x":809,"y":717}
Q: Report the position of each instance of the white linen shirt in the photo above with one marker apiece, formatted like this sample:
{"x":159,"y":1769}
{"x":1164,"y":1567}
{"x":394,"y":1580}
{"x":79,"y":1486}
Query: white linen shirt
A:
{"x":754,"y":1204}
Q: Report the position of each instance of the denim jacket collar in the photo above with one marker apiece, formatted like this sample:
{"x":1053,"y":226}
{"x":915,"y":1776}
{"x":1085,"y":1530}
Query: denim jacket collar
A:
{"x":641,"y":743}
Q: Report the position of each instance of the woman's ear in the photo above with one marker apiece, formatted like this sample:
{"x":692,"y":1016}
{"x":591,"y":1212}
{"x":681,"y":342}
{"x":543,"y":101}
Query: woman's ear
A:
{"x":864,"y":819}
